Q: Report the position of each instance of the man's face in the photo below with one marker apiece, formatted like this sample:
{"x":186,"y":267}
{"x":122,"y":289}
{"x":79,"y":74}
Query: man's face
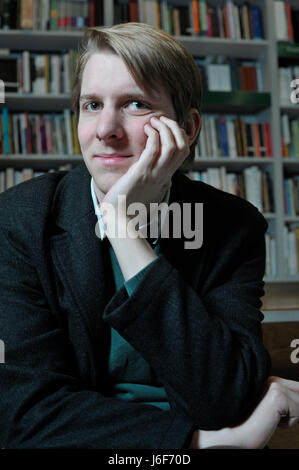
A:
{"x":113,"y":112}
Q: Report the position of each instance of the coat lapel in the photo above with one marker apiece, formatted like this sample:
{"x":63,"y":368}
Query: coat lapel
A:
{"x":79,"y":259}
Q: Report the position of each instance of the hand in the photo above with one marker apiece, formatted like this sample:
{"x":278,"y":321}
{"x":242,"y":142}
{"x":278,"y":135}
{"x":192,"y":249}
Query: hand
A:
{"x":149,"y":178}
{"x":279,"y":406}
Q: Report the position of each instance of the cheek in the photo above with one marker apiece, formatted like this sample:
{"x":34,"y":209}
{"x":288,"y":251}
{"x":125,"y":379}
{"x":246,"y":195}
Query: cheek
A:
{"x":137,"y":134}
{"x":84,"y":133}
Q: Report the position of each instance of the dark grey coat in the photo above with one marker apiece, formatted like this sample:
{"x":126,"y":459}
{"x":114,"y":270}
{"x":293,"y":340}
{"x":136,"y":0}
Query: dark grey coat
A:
{"x":194,"y":317}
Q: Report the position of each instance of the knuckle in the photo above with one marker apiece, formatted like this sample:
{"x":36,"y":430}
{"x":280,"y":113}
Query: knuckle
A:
{"x":276,"y":393}
{"x":184,"y":148}
{"x":170,"y":147}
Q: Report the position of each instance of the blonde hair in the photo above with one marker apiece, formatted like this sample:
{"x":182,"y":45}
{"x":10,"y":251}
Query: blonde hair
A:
{"x":154,"y":58}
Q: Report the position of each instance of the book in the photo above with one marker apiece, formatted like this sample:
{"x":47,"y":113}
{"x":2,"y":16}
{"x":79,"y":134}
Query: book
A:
{"x":195,"y":16}
{"x":281,"y":27}
{"x":26,"y":14}
{"x":133,"y":11}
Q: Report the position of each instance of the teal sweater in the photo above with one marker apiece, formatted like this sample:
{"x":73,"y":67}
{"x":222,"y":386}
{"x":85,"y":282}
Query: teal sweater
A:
{"x":132,"y":377}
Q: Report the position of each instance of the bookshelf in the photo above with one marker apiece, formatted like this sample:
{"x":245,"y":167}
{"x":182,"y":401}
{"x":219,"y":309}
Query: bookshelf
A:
{"x":265,"y":105}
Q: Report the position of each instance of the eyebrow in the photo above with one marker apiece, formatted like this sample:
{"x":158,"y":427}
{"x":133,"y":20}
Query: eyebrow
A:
{"x":127,"y":95}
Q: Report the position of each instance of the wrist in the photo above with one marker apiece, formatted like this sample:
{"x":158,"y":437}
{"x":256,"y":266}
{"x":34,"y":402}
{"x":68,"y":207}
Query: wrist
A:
{"x":120,"y":226}
{"x":220,"y":438}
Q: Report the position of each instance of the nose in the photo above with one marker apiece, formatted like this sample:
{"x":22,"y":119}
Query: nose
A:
{"x":109,"y":125}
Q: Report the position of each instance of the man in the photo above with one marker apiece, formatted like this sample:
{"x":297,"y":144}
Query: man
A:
{"x":128,"y":342}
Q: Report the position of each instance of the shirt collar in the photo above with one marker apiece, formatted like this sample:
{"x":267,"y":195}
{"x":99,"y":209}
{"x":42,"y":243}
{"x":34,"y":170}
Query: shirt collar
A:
{"x":142,"y":228}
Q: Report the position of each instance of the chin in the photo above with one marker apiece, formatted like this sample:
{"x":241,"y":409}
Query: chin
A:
{"x":105,"y":183}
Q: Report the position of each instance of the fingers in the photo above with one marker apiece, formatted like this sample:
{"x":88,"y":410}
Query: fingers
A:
{"x":289,"y":384}
{"x":166,"y":148}
{"x":284,"y":396}
{"x":151,"y":150}
{"x":174,"y":142}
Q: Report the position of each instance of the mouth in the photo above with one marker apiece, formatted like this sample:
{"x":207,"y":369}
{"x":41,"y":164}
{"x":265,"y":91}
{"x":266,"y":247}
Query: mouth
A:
{"x":111,"y":155}
{"x":112,"y":159}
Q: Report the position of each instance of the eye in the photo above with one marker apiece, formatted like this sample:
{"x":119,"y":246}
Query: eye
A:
{"x":92,"y":106}
{"x":138,"y":105}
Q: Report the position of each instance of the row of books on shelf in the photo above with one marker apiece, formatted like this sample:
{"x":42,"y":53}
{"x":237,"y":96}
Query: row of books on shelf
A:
{"x":289,"y":136}
{"x":52,"y":73}
{"x":286,"y":76}
{"x":234,"y":136}
{"x":291,"y":196}
{"x":221,"y":73}
{"x":55,"y":133}
{"x":251,"y":184}
{"x":286,"y":21}
{"x":11,"y":176}
{"x":291,"y":249}
{"x":53,"y":15}
{"x":27,"y":133}
{"x":28,"y":72}
{"x":271,"y":264}
{"x":225,"y":19}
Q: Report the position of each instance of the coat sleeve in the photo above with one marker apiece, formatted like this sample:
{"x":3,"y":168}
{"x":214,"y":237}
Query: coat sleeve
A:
{"x":42,"y":402}
{"x":205,"y":345}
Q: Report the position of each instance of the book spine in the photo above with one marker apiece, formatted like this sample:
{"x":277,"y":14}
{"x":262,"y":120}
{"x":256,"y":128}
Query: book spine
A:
{"x":5,"y":130}
{"x":68,"y":131}
{"x":195,"y":16}
{"x":289,"y":21}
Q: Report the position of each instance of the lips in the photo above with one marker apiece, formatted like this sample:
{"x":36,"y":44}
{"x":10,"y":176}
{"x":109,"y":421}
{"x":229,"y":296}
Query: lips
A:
{"x":111,"y":155}
{"x":112,"y":160}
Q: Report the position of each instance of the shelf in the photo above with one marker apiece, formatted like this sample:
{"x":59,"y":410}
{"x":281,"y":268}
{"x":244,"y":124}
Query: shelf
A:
{"x":270,"y":216}
{"x":38,"y":162}
{"x":235,"y":101}
{"x":291,"y":218}
{"x":201,"y":46}
{"x":47,"y":102}
{"x":39,"y":40}
{"x":282,"y":280}
{"x":291,"y":164}
{"x":197,"y":46}
{"x":288,"y":50}
{"x":291,"y":109}
{"x":231,"y":163}
{"x":275,"y":316}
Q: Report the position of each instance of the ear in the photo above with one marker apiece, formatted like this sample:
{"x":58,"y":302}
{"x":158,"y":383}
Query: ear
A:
{"x":192,"y":124}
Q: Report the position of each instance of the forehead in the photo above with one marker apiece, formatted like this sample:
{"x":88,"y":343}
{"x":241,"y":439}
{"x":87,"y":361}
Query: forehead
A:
{"x":106,"y":71}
